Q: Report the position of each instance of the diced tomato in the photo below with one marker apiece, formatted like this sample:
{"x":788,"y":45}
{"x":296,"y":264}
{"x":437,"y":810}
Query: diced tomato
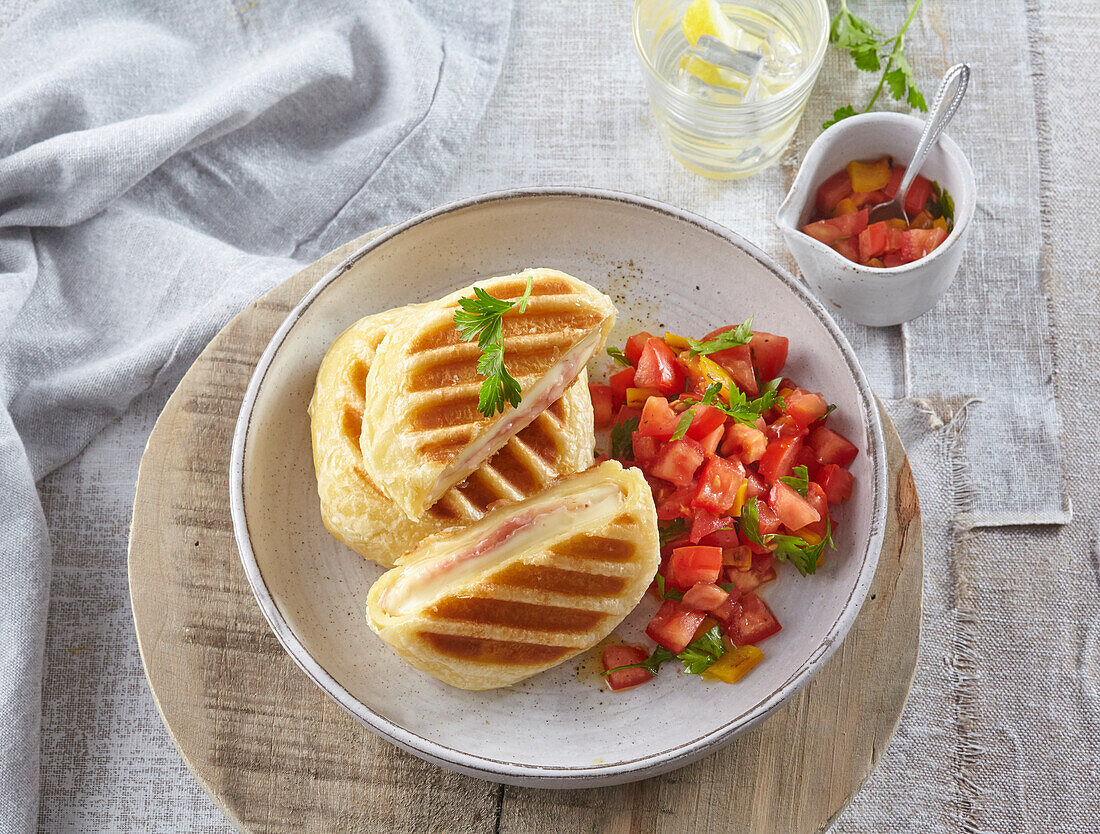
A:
{"x":894,"y":239}
{"x":705,"y":419}
{"x":779,"y":458}
{"x":601,"y":405}
{"x":837,"y":483}
{"x":677,"y":504}
{"x":724,"y":611}
{"x":919,"y":193}
{"x":815,"y":495}
{"x":892,"y":259}
{"x":615,"y":656}
{"x":833,"y":190}
{"x":645,"y":449}
{"x":634,"y":345}
{"x":718,"y":485}
{"x":783,"y":427}
{"x":737,"y":362}
{"x":705,"y":596}
{"x":872,"y":241}
{"x":851,"y":224}
{"x":807,"y":458}
{"x":678,"y":461}
{"x":793,"y":510}
{"x":916,"y":243}
{"x":658,"y":419}
{"x":831,"y":447}
{"x":897,"y":172}
{"x":711,"y":441}
{"x":658,"y":369}
{"x":752,"y":621}
{"x":747,"y":581}
{"x":768,"y":520}
{"x":745,"y":442}
{"x":619,"y":382}
{"x":805,"y":407}
{"x":824,"y":231}
{"x":674,"y":625}
{"x":848,"y":247}
{"x":705,"y":524}
{"x":769,"y":353}
{"x":725,"y":536}
{"x":688,"y":565}
{"x":756,"y":485}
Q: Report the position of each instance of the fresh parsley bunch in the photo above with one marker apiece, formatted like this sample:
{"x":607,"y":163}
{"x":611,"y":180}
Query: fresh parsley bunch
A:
{"x":872,"y":51}
{"x":481,"y":317}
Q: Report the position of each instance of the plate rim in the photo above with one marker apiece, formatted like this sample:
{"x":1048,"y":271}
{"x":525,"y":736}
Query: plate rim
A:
{"x":548,"y":775}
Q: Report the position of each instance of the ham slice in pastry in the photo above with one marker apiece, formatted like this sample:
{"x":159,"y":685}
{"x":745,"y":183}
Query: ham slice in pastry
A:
{"x":525,"y":588}
{"x":358,"y":513}
{"x":422,"y":432}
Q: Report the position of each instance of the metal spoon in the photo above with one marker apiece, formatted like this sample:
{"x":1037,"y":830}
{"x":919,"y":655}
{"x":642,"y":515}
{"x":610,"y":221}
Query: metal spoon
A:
{"x":943,"y":109}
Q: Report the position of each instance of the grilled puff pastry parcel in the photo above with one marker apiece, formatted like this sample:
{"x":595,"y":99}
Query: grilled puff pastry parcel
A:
{"x":528,"y":586}
{"x":422,"y":431}
{"x":358,"y":513}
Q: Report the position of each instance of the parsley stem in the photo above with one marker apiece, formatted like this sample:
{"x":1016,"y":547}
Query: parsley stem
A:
{"x":899,"y":41}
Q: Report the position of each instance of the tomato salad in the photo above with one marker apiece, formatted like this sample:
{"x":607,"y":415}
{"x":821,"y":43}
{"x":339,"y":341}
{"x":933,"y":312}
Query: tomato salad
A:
{"x":844,"y":200}
{"x":743,"y":468}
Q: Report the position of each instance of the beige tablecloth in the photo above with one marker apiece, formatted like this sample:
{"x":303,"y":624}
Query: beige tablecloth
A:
{"x":1002,"y":731}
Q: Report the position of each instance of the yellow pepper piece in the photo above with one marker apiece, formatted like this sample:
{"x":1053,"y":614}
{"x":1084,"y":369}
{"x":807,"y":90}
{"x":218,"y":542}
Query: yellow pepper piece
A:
{"x":739,"y":501}
{"x":869,"y":176}
{"x":676,"y":342}
{"x":785,"y":392}
{"x":896,"y":223}
{"x":713,"y":372}
{"x":845,"y":206}
{"x":940,"y":223}
{"x":636,"y":397}
{"x":735,"y":664}
{"x":708,"y":623}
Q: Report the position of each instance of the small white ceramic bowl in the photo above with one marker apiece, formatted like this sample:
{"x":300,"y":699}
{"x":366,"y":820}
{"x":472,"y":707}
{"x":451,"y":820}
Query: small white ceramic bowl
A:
{"x":665,"y":269}
{"x":865,"y":294}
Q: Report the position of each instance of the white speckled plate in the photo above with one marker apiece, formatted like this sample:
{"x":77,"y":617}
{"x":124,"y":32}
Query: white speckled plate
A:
{"x":663,"y":268}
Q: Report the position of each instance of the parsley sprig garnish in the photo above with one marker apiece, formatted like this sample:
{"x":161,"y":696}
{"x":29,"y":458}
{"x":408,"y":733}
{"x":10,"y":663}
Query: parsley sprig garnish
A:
{"x":738,"y":336}
{"x":618,"y":356}
{"x":699,"y":655}
{"x":481,"y":317}
{"x":793,"y":549}
{"x":709,"y":398}
{"x":622,"y":439}
{"x":675,"y":529}
{"x":800,"y":481}
{"x":870,"y":49}
{"x":667,"y":593}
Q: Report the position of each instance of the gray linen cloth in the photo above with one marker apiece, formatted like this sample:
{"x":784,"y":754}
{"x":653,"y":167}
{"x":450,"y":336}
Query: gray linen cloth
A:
{"x":161,"y":165}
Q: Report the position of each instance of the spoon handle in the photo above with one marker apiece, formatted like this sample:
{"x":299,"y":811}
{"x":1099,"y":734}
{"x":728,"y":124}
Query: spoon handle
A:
{"x":943,"y":109}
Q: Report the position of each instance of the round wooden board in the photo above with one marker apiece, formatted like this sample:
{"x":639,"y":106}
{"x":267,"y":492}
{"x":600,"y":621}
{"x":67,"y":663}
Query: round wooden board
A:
{"x":277,"y":755}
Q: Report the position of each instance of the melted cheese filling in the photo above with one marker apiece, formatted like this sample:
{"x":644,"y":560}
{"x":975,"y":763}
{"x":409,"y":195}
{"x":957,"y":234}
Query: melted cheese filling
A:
{"x":539,"y":397}
{"x":420,"y":584}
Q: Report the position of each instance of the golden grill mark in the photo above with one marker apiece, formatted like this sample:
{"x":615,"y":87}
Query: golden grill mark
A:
{"x":357,"y":377}
{"x":482,"y":650}
{"x":351,"y":424}
{"x":478,"y":490}
{"x":597,"y":547}
{"x":459,"y":411}
{"x":524,"y":615}
{"x":442,"y":511}
{"x":558,"y":580}
{"x":445,"y":450}
{"x":542,"y":441}
{"x":510,"y":467}
{"x":535,"y":322}
{"x":557,"y":409}
{"x":521,"y":360}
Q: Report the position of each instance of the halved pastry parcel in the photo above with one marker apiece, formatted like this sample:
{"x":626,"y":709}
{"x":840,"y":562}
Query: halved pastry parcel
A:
{"x":528,"y":586}
{"x":358,"y":513}
{"x":422,"y":431}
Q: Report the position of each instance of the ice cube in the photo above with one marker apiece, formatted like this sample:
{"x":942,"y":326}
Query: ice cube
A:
{"x":782,"y":58}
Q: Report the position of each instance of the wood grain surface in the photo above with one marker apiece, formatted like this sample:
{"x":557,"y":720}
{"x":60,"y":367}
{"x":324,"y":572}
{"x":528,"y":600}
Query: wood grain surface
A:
{"x":277,"y":755}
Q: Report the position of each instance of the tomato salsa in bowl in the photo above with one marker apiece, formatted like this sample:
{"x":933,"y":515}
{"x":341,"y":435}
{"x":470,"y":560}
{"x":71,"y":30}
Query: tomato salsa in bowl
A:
{"x":900,"y":273}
